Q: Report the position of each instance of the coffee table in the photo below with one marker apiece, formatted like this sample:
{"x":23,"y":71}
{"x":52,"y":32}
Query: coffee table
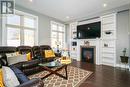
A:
{"x":54,"y":64}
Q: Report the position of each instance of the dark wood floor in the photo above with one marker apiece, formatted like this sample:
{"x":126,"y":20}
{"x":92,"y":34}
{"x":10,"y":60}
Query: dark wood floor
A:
{"x":104,"y":76}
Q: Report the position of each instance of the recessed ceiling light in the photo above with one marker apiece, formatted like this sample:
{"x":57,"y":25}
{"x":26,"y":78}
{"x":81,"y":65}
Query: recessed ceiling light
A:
{"x":30,"y":0}
{"x":104,"y":5}
{"x":67,"y":17}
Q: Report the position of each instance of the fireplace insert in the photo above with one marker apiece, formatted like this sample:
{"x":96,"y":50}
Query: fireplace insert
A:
{"x":87,"y":54}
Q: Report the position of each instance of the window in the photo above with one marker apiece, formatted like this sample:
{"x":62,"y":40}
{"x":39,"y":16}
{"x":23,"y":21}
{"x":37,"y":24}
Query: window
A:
{"x":57,"y":35}
{"x":20,"y":29}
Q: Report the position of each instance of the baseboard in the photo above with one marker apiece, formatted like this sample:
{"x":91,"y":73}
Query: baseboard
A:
{"x":123,"y":66}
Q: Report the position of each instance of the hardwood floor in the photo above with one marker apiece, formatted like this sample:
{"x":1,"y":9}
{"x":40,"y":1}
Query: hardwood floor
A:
{"x":104,"y":76}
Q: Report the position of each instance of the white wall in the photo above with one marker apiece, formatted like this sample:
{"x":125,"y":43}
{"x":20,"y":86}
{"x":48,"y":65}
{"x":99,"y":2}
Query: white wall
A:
{"x":122,"y":34}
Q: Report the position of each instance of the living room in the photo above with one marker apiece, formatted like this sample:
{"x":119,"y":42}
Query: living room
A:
{"x":64,"y":43}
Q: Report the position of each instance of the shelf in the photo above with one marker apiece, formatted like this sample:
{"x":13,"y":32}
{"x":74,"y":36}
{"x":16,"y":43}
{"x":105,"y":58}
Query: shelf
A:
{"x":106,"y":63}
{"x":107,"y":23}
{"x":106,"y":55}
{"x":109,"y":47}
{"x":109,"y":52}
{"x":108,"y":39}
{"x":108,"y":29}
{"x":108,"y":60}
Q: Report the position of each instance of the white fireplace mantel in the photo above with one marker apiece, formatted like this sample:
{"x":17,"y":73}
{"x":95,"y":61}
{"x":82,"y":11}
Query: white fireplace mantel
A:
{"x":93,"y":42}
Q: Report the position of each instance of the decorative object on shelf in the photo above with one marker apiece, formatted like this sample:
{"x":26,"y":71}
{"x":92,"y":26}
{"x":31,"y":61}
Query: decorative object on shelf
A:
{"x":105,"y":45}
{"x":108,"y":32}
{"x":73,"y":49}
{"x":74,"y":43}
{"x":124,"y":58}
{"x":74,"y":32}
{"x":87,"y":43}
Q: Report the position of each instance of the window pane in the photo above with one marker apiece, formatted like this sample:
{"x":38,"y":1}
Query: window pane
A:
{"x":54,"y":27}
{"x":54,"y":43}
{"x":28,"y":37}
{"x":29,"y":22}
{"x":13,"y":36}
{"x":61,"y":35}
{"x":61,"y":43}
{"x":54,"y":34}
{"x":57,"y":35}
{"x":14,"y":20}
{"x":61,"y":28}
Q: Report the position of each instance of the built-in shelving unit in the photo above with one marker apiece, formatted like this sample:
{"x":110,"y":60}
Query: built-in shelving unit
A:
{"x":105,"y":46}
{"x":108,"y":42}
{"x":73,"y":41}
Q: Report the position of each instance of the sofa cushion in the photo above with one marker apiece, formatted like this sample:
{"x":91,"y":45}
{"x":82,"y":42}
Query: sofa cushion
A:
{"x":9,"y":77}
{"x":20,"y":75}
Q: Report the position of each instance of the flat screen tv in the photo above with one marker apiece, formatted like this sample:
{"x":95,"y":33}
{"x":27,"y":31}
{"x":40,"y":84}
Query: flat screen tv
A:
{"x":89,"y":31}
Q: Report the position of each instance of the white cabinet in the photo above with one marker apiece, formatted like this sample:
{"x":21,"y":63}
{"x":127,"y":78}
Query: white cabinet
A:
{"x":108,"y":45}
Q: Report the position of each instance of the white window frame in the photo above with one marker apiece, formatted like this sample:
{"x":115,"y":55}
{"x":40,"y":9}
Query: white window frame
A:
{"x":4,"y":28}
{"x":57,"y":23}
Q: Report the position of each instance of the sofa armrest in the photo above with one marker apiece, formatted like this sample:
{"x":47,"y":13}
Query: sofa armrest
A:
{"x":32,"y":83}
{"x":30,"y":64}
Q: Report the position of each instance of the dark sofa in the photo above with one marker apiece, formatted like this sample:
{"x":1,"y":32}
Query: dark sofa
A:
{"x":17,"y":68}
{"x":23,"y":69}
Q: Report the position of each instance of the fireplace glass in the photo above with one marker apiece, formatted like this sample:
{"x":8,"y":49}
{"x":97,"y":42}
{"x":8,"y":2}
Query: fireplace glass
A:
{"x":87,"y":55}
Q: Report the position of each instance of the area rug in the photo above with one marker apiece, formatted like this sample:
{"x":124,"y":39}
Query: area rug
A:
{"x":76,"y":76}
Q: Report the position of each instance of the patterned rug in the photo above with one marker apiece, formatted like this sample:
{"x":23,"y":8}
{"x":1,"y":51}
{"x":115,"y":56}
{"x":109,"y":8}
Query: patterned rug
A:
{"x":76,"y":76}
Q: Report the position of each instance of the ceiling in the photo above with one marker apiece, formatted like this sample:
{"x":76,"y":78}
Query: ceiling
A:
{"x":67,"y":10}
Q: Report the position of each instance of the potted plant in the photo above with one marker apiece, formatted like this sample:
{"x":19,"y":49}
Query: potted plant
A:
{"x":124,"y":58}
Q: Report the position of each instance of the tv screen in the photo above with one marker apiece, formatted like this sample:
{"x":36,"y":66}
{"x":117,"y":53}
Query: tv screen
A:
{"x":89,"y":31}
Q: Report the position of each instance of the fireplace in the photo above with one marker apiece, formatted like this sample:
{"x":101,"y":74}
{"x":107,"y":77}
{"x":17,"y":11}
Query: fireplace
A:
{"x":88,"y":54}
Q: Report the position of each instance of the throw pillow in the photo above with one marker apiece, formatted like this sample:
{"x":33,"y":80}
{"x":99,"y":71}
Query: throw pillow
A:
{"x":29,"y":56}
{"x":49,"y":54}
{"x":12,"y":54}
{"x":9,"y":78}
{"x":1,"y":79}
{"x":16,"y":59}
